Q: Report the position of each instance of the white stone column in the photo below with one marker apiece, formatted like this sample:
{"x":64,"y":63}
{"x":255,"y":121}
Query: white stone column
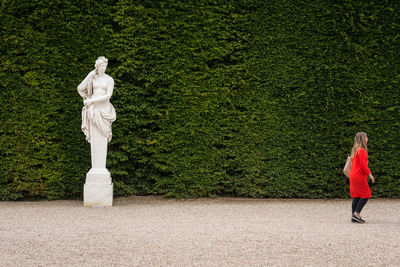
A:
{"x":98,"y":189}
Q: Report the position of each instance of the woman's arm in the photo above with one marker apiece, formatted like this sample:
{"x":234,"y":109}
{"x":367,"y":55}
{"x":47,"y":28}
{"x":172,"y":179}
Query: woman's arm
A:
{"x":363,"y":156}
{"x":364,"y":164}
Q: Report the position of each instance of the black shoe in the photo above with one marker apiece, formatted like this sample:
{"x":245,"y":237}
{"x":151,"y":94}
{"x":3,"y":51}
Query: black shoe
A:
{"x":355,"y":219}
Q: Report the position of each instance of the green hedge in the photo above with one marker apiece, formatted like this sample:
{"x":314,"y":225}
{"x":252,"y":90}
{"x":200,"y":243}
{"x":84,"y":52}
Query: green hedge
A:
{"x":243,"y":98}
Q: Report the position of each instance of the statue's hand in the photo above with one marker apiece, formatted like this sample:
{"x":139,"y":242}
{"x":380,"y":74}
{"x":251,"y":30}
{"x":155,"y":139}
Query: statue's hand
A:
{"x":92,"y":73}
{"x":87,"y":102}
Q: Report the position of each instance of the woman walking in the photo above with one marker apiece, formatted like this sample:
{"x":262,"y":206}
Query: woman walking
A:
{"x":359,"y":188}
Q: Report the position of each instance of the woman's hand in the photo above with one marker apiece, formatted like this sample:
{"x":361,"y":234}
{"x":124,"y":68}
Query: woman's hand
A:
{"x":372,"y":178}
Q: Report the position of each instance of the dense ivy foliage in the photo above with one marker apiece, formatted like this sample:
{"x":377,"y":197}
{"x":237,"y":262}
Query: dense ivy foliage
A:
{"x":214,"y":98}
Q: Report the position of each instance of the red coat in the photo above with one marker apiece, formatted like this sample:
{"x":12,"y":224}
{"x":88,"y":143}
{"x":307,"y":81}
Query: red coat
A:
{"x":358,"y":175}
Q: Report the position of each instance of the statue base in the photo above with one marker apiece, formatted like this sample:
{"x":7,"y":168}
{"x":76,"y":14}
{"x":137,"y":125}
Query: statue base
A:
{"x":98,"y":189}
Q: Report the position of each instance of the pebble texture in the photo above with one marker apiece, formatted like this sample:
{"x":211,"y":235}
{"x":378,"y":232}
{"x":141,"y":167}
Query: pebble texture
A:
{"x":151,"y":231}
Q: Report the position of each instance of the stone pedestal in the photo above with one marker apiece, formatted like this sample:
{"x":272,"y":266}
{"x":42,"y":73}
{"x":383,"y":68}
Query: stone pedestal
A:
{"x":98,"y":189}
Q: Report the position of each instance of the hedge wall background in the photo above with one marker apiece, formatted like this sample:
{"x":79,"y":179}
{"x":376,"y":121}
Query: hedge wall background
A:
{"x":246,"y":98}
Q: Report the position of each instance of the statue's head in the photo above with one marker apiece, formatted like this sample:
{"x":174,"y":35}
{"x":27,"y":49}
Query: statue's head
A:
{"x":101,"y":64}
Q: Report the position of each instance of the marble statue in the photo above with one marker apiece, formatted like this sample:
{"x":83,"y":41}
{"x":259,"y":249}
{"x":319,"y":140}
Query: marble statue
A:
{"x":97,"y":116}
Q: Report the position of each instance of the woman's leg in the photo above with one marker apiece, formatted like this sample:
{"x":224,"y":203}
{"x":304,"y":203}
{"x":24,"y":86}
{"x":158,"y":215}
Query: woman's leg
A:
{"x":354,"y":204}
{"x":360,"y":205}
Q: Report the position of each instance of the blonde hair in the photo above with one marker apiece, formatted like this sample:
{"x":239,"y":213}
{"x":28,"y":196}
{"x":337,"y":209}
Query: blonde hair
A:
{"x":359,"y":142}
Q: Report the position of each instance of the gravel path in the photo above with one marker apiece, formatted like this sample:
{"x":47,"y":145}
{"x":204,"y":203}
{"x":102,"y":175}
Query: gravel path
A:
{"x":151,"y":231}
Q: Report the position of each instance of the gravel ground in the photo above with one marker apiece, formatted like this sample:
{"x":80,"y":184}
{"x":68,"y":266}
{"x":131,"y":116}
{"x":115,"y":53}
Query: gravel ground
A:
{"x":151,"y":231}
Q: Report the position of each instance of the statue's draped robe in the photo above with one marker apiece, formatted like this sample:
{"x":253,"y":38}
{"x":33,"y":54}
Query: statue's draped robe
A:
{"x":102,"y":116}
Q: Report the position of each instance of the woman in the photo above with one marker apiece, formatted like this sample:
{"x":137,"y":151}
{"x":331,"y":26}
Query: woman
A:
{"x":359,"y":188}
{"x":96,"y":90}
